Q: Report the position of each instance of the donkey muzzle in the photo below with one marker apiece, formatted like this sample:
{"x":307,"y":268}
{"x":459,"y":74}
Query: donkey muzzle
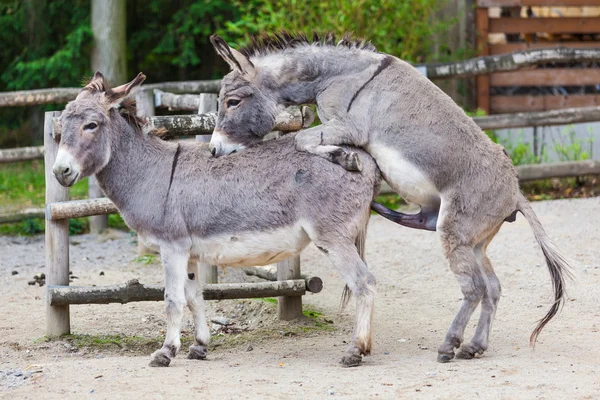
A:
{"x":222,"y":145}
{"x":65,"y":169}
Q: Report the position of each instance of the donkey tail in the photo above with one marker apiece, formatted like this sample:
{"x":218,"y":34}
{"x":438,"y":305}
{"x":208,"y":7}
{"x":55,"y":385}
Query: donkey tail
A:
{"x":557,"y":264}
{"x":360,"y":243}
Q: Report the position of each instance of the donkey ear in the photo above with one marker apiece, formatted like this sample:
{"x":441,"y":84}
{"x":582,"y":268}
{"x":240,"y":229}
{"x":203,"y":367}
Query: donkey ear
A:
{"x":97,"y":76}
{"x":115,"y":95}
{"x":236,"y":60}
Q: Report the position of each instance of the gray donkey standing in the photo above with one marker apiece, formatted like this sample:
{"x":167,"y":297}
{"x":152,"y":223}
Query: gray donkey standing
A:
{"x":255,"y":208}
{"x":429,"y":151}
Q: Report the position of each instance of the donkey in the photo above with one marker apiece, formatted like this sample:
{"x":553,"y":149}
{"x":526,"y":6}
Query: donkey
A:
{"x":256,"y":208}
{"x":429,"y":151}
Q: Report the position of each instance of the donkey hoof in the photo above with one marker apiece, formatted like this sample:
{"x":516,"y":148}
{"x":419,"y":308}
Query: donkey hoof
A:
{"x":351,"y":360}
{"x":445,"y":357}
{"x":160,"y":360}
{"x":353,"y":162}
{"x":197,"y":352}
{"x":468,"y":352}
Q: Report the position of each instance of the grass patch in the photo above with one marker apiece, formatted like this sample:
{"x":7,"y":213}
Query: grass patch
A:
{"x":117,"y":342}
{"x":22,"y":185}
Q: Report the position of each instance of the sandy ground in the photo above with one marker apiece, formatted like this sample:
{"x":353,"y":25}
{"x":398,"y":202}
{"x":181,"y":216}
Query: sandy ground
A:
{"x":417,"y":299}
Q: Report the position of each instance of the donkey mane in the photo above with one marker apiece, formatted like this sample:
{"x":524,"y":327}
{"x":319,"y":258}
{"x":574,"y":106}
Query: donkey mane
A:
{"x":270,"y":43}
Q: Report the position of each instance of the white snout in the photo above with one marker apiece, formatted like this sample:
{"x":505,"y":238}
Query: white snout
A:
{"x":222,"y":145}
{"x":66,"y":170}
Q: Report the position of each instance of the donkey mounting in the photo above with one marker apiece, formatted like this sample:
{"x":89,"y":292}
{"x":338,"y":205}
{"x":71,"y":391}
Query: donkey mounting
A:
{"x":255,"y":208}
{"x":428,"y":150}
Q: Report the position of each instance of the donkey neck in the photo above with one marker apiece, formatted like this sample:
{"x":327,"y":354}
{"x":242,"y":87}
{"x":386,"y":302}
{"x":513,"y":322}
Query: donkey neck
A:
{"x":298,"y":75}
{"x":139,"y":168}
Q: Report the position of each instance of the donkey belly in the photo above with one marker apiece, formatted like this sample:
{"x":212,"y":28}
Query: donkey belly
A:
{"x":246,"y":249}
{"x":404,"y":178}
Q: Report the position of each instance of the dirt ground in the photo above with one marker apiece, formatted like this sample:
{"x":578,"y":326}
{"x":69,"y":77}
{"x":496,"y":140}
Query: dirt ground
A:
{"x":417,"y":299}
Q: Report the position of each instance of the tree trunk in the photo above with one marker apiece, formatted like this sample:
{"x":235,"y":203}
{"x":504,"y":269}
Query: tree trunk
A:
{"x":109,"y":57}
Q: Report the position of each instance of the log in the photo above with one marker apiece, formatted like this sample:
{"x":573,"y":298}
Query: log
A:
{"x":314,"y":284}
{"x":21,"y":154}
{"x":39,"y":96}
{"x":57,"y":237}
{"x":541,"y":118}
{"x":21,"y":215}
{"x":289,"y":307}
{"x":80,"y":208}
{"x":509,"y":62}
{"x":64,"y":95}
{"x":133,"y":290}
{"x":187,"y":102}
{"x":558,"y":170}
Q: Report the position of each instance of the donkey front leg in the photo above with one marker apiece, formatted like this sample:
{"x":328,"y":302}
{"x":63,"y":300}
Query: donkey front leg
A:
{"x":324,"y":141}
{"x":196,"y":273}
{"x":175,"y":265}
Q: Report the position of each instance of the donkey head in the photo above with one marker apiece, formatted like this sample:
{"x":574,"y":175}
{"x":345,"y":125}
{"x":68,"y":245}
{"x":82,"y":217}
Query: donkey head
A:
{"x":246,"y":111}
{"x":87,"y":122}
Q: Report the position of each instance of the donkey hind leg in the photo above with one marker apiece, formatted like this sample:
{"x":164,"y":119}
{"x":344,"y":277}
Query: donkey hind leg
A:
{"x":489,"y":303}
{"x":324,"y":141}
{"x":175,"y":265}
{"x":361,"y":284}
{"x":195,"y":279}
{"x":464,"y":265}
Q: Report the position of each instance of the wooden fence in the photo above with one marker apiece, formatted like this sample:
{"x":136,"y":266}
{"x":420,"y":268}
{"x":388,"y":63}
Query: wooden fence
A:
{"x":538,"y":25}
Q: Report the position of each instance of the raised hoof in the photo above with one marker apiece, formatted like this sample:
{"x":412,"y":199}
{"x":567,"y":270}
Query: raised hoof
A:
{"x":445,"y":357}
{"x":351,"y":360}
{"x":160,"y":360}
{"x":353,"y":162}
{"x":197,"y":353}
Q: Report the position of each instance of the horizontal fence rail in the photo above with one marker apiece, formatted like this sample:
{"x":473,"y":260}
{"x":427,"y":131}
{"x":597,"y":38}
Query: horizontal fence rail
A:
{"x":471,"y":67}
{"x":134,"y":291}
{"x":64,"y":95}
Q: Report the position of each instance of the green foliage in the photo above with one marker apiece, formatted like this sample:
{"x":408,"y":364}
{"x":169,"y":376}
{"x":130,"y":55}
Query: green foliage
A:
{"x":146,"y":259}
{"x":571,"y":148}
{"x":77,"y":226}
{"x":32,"y":226}
{"x":401,"y":28}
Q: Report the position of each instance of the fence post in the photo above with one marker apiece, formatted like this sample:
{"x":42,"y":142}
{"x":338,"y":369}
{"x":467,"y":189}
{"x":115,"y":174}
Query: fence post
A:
{"x":208,"y":103}
{"x":144,"y":102}
{"x":289,"y":307}
{"x":57,"y":236}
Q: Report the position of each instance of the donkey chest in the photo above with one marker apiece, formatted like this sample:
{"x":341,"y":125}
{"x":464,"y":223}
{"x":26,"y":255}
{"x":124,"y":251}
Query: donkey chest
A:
{"x":403,"y":176}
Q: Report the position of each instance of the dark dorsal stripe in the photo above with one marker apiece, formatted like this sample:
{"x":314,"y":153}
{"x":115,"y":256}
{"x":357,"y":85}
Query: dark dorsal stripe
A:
{"x":387,"y":60}
{"x":174,"y":165}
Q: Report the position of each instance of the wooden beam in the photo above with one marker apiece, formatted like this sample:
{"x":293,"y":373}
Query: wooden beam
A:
{"x":482,"y":81}
{"x":57,"y":236}
{"x":541,"y":118}
{"x":558,"y":170}
{"x":289,"y":120}
{"x":547,"y":77}
{"x":186,"y":102}
{"x":314,"y":284}
{"x":509,"y":62}
{"x":513,"y":47}
{"x":289,"y":307}
{"x":64,"y":95}
{"x":56,"y":211}
{"x":547,"y":25}
{"x":133,"y":290}
{"x":541,"y":3}
{"x":529,"y":103}
{"x":21,"y":215}
{"x":21,"y":154}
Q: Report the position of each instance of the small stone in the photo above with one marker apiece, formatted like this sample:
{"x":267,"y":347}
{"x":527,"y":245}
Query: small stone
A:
{"x":15,"y":273}
{"x":101,"y":273}
{"x":249,"y":348}
{"x":31,"y":283}
{"x":220,"y":320}
{"x":331,"y":392}
{"x":386,"y":353}
{"x":402,"y":340}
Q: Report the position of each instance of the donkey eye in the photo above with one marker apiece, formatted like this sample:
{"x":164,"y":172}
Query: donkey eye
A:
{"x":90,"y":126}
{"x":233,"y":102}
